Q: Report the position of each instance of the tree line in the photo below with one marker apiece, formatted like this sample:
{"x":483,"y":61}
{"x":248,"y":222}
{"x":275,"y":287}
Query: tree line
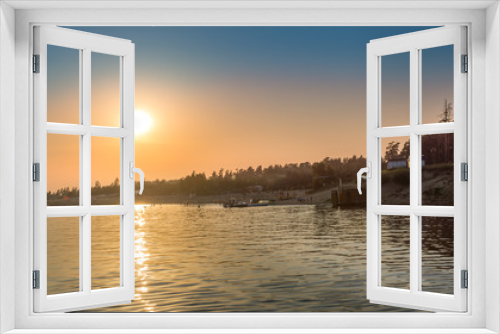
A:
{"x":277,"y":177}
{"x":291,"y":176}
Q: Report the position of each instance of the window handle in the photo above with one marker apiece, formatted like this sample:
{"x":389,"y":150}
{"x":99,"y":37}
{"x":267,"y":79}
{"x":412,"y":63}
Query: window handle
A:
{"x":368,"y":171}
{"x":134,"y":170}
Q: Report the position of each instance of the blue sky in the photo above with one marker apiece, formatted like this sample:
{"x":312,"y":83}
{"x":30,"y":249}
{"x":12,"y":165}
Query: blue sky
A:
{"x":233,"y":97}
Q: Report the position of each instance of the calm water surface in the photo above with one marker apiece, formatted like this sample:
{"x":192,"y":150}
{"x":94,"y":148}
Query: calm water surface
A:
{"x":302,"y":258}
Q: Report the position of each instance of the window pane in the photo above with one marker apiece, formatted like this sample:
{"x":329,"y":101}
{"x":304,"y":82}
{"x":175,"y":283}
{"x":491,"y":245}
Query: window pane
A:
{"x":105,"y":90}
{"x":63,"y":85}
{"x":105,"y":172}
{"x":395,"y":95}
{"x":395,"y":237}
{"x":395,"y":171}
{"x":437,"y":84}
{"x":437,"y":254}
{"x":437,"y":169}
{"x":63,"y":255}
{"x":105,"y":252}
{"x":63,"y":170}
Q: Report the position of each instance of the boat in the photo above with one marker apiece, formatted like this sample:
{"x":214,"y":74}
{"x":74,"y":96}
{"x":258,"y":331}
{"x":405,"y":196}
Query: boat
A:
{"x":242,"y":204}
{"x":260,"y":203}
{"x":235,"y":204}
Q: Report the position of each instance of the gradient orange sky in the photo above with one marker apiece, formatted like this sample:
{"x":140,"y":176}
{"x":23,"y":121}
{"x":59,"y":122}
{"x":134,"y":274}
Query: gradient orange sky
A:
{"x":234,"y":97}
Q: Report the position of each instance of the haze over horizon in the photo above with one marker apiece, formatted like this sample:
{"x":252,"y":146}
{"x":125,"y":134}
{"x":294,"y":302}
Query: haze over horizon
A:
{"x":230,"y":97}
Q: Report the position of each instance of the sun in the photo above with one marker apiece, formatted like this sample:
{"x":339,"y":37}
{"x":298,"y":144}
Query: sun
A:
{"x":143,"y":122}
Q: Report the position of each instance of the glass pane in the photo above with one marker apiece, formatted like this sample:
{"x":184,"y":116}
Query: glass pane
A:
{"x":63,"y":85}
{"x":437,"y":169}
{"x":63,"y":255}
{"x":105,"y":172}
{"x":437,"y":254}
{"x":105,"y":252}
{"x":63,"y":170}
{"x":437,"y":84}
{"x":395,"y":171}
{"x":395,"y":89}
{"x":395,"y":237}
{"x":105,"y":90}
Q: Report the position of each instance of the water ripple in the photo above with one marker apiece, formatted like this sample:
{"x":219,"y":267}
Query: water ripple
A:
{"x":263,"y":259}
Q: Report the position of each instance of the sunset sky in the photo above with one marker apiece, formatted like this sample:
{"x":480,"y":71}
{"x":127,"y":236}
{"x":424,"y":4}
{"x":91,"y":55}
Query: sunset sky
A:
{"x":234,"y":97}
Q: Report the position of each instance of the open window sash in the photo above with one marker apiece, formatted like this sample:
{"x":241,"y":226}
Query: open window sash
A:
{"x":415,"y":297}
{"x":85,"y":297}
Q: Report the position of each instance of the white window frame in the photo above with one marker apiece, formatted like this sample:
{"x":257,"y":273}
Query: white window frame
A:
{"x":483,"y":211}
{"x":414,"y":44}
{"x":85,"y":44}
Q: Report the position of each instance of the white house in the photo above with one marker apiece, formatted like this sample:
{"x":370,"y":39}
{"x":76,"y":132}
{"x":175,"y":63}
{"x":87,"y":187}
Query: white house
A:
{"x":397,"y":163}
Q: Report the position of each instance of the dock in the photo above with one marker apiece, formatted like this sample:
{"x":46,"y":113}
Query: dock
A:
{"x":348,"y":196}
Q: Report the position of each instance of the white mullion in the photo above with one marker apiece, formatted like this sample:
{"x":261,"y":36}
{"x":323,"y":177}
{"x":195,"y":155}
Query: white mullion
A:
{"x":123,"y":161}
{"x":377,"y":94}
{"x":85,"y":249}
{"x":415,"y":162}
{"x":85,"y":164}
{"x":123,"y":176}
{"x":81,"y":271}
{"x":122,"y":252}
{"x":420,"y":210}
{"x":373,"y":184}
{"x":419,"y":250}
{"x":378,"y":219}
{"x":376,"y":61}
{"x":377,"y":175}
{"x":433,"y":129}
{"x":77,"y":130}
{"x":433,"y":211}
{"x":81,"y":130}
{"x":423,"y":129}
{"x":416,"y":131}
{"x":79,"y":211}
{"x":66,"y":211}
{"x":85,"y":161}
{"x":67,"y":129}
{"x":392,"y":131}
{"x":127,"y":249}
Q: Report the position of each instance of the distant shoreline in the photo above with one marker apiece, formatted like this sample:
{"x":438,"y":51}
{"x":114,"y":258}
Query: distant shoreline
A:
{"x":290,"y":197}
{"x":295,"y":197}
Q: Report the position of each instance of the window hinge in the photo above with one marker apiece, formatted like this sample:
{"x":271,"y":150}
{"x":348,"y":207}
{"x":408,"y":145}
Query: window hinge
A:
{"x":36,"y":279}
{"x":465,"y":63}
{"x":464,"y":172}
{"x":465,"y":279}
{"x":36,"y":172}
{"x":36,"y":63}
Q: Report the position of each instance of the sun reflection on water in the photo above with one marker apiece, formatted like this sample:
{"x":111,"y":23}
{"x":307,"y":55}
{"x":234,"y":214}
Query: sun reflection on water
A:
{"x":142,"y":256}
